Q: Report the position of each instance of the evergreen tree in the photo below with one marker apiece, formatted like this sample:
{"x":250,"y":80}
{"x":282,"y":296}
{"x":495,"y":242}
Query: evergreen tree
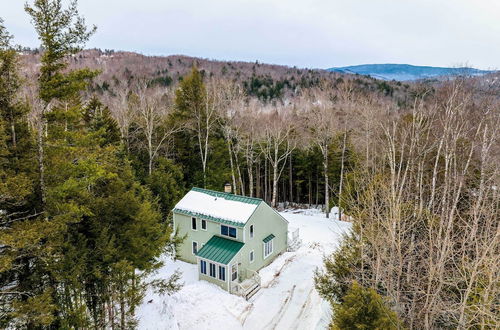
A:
{"x":200,"y":146}
{"x":98,"y":118}
{"x":363,"y":308}
{"x":21,"y":228}
{"x":79,"y":259}
{"x":189,"y":98}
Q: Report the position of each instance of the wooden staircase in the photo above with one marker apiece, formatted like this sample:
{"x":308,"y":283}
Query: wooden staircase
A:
{"x":248,"y":287}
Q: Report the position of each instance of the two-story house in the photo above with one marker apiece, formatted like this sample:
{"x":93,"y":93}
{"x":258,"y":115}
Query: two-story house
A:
{"x":230,"y":237}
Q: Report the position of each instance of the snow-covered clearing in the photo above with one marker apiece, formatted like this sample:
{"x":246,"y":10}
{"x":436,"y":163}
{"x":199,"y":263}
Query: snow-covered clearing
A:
{"x":287,"y":299}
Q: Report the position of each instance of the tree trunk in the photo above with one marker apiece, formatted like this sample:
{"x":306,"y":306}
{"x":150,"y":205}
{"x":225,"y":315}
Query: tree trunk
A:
{"x":250,"y":179}
{"x":265,"y":181}
{"x":342,"y":175}
{"x":258,"y":182}
{"x":290,"y":181}
{"x":327,"y":193}
{"x":240,"y":176}
{"x":309,"y":195}
{"x":13,"y":133}
{"x":233,"y":178}
{"x":275,"y":178}
{"x":275,"y":185}
{"x":41,"y":159}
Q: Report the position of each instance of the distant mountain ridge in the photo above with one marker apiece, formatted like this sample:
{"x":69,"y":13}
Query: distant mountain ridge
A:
{"x":406,"y":72}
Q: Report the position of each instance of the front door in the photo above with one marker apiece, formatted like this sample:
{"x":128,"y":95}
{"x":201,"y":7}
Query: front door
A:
{"x":234,"y":272}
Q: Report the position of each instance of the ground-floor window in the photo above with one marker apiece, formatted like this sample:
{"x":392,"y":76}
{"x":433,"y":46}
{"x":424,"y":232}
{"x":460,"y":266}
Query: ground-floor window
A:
{"x":203,"y":267}
{"x":268,"y":248}
{"x":222,"y":273}
{"x":212,"y":270}
{"x":234,"y":272}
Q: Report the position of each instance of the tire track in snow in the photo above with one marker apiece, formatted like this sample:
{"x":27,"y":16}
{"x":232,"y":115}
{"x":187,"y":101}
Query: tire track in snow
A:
{"x":305,"y":306}
{"x":284,"y":306}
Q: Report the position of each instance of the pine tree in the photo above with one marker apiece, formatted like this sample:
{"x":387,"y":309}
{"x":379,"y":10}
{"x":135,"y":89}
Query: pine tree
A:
{"x":189,"y":98}
{"x":200,"y":146}
{"x":75,"y":262}
{"x":363,"y":308}
{"x":21,"y":228}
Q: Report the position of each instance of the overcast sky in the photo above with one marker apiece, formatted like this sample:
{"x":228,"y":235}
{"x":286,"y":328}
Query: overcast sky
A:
{"x":305,"y":33}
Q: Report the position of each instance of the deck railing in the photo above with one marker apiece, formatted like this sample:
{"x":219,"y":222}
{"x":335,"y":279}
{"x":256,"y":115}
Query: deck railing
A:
{"x":247,"y":281}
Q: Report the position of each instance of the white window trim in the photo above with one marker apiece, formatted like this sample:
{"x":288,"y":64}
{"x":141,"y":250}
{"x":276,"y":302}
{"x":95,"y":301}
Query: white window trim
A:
{"x":264,"y":248}
{"x":216,"y":269}
{"x":192,"y":244}
{"x":196,"y":221}
{"x":206,"y":224}
{"x":218,"y":272}
{"x":251,"y":253}
{"x":206,"y":264}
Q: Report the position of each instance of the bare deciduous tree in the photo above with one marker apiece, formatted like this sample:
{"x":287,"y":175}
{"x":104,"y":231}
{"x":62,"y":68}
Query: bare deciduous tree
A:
{"x":277,"y":141}
{"x":151,"y":109}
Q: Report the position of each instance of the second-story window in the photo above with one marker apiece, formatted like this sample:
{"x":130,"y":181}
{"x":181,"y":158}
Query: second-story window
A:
{"x":251,"y":231}
{"x":203,"y":224}
{"x":193,"y":223}
{"x":228,"y":231}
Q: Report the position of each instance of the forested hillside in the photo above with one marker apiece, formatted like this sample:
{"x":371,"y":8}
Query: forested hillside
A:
{"x":97,"y":146}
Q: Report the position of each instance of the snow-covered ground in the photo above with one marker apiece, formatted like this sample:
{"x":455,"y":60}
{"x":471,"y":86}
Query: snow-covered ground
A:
{"x":287,"y":299}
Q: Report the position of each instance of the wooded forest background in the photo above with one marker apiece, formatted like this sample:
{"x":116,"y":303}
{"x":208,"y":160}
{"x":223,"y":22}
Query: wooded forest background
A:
{"x":98,"y":146}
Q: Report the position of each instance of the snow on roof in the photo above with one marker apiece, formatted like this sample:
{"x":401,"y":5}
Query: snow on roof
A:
{"x":219,"y":206}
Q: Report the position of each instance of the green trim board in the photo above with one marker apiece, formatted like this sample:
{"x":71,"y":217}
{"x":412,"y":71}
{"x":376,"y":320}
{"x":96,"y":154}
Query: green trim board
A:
{"x":219,"y":249}
{"x":268,"y":238}
{"x":209,"y":217}
{"x":228,"y":196}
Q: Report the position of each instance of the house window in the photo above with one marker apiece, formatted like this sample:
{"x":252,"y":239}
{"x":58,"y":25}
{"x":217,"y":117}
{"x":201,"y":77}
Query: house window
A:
{"x":203,"y":267}
{"x":193,"y":223}
{"x":251,"y":231}
{"x":222,"y":273}
{"x":268,"y":248}
{"x":212,"y":270}
{"x":234,"y":272}
{"x":203,"y":224}
{"x":251,"y":256}
{"x":228,"y":231}
{"x":195,"y":247}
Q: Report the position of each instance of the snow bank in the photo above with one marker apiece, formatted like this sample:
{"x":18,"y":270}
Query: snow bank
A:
{"x":287,"y":299}
{"x":218,"y":207}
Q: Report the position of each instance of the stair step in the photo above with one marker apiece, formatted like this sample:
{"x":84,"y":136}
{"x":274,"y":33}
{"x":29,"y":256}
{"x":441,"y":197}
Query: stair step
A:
{"x":252,"y":292}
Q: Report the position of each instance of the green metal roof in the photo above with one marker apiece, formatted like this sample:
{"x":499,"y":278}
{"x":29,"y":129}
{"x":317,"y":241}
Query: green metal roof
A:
{"x":228,"y":196}
{"x":211,"y":218}
{"x":268,"y":238}
{"x":220,"y":249}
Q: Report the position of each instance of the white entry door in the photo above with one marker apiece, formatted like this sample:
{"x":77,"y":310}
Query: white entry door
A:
{"x":234,"y":272}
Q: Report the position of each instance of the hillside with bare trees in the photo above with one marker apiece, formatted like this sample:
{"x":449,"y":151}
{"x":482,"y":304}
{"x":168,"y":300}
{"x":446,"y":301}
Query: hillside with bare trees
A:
{"x":97,"y":147}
